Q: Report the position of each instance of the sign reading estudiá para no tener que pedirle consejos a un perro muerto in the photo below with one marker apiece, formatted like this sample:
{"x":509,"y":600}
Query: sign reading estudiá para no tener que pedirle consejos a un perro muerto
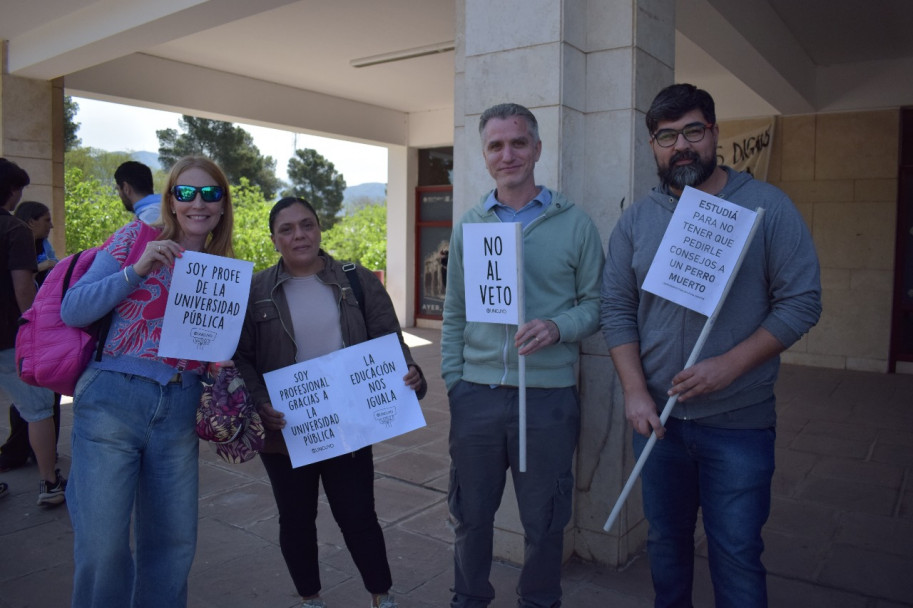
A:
{"x":699,"y":251}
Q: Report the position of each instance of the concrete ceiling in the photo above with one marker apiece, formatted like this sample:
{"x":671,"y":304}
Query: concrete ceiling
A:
{"x":757,"y":57}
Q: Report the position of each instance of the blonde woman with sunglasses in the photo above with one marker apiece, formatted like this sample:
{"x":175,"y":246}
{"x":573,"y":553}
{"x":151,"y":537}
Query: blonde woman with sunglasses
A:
{"x":134,"y":445}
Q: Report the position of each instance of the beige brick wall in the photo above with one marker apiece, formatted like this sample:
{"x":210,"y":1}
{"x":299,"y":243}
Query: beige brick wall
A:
{"x":841,"y":171}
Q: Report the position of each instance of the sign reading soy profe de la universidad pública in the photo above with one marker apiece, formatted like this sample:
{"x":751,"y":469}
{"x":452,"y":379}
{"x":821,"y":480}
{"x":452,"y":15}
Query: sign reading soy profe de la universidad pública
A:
{"x":207,"y":299}
{"x":345,"y":400}
{"x":699,"y":251}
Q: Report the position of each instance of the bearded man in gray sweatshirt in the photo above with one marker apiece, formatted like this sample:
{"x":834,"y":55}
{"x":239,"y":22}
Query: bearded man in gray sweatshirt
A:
{"x":717,"y":448}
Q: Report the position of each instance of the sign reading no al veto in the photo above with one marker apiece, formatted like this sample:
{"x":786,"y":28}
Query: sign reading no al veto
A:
{"x":345,"y":400}
{"x":491,"y":272}
{"x":699,"y":251}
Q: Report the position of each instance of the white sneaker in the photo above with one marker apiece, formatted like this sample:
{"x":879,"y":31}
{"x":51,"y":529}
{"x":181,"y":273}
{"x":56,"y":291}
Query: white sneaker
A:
{"x":50,"y":494}
{"x":385,"y":601}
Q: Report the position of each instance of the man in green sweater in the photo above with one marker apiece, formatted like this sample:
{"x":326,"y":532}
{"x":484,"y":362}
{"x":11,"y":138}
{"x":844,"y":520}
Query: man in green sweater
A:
{"x":563,"y":260}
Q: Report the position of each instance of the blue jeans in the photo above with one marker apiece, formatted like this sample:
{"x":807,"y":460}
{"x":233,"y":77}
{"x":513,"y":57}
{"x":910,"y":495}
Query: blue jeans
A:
{"x":34,"y":403}
{"x":483,"y":445}
{"x":135,"y":453}
{"x":727,"y":473}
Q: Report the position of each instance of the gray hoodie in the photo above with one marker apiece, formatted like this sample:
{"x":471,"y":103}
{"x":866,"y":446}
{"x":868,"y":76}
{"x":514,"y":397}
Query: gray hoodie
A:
{"x":778,"y":288}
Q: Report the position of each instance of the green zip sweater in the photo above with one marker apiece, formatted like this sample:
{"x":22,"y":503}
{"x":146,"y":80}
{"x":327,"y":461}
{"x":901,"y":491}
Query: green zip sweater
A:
{"x":563,"y":259}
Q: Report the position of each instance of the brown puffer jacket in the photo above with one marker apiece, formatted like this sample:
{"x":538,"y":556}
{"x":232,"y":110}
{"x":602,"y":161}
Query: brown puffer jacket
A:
{"x":267,"y":339}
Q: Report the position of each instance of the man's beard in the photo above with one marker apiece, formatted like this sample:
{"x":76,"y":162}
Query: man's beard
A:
{"x":678,"y":176}
{"x":126,"y":202}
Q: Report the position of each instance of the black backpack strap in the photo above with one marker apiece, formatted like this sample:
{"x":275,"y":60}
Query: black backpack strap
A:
{"x":355,"y":284}
{"x":103,"y":327}
{"x":69,"y":275}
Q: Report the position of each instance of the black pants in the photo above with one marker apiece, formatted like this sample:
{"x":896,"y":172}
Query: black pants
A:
{"x":17,"y":449}
{"x":348,"y":481}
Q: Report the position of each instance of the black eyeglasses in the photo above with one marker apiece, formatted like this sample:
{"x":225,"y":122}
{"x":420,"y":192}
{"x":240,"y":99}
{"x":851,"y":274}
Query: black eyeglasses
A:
{"x":209,"y":194}
{"x":693,"y":133}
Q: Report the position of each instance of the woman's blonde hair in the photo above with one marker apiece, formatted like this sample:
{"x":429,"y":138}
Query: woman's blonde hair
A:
{"x":219,"y":241}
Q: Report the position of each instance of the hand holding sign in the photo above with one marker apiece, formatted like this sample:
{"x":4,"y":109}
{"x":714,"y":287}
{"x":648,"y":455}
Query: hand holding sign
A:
{"x":273,"y":419}
{"x":536,"y":335}
{"x":157,"y":254}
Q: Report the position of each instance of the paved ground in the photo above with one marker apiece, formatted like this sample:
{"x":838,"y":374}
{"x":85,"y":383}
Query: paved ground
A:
{"x":840,"y":534}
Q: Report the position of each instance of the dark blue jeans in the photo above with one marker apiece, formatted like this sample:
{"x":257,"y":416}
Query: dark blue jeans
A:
{"x":483,"y":445}
{"x":727,"y":473}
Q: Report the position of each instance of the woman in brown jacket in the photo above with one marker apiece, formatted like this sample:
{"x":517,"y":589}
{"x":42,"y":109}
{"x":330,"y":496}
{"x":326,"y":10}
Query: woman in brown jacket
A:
{"x":301,"y":308}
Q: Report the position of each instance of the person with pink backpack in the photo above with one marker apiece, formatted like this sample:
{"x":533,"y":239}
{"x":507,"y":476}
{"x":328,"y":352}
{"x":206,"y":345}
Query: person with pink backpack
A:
{"x":134,"y":440}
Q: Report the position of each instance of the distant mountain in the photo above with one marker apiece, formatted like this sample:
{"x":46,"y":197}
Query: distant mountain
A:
{"x":150,"y":159}
{"x":373,"y":192}
{"x":369,"y":190}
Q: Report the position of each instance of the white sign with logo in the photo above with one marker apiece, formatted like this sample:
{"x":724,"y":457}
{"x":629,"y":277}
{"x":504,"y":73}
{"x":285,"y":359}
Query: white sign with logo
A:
{"x":207,"y":299}
{"x":699,"y":251}
{"x":345,"y":400}
{"x":491,"y":272}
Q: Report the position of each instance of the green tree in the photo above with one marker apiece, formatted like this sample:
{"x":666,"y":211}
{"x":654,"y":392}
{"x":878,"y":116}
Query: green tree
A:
{"x":357,"y":202}
{"x":360,"y":237}
{"x":70,"y":126}
{"x":96,"y":164}
{"x":315,"y":179}
{"x":251,"y":234}
{"x":231,"y":147}
{"x":101,"y":164}
{"x":93,"y":211}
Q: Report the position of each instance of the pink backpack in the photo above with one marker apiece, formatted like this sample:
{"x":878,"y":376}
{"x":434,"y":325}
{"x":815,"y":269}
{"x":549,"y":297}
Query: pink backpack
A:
{"x":50,"y":353}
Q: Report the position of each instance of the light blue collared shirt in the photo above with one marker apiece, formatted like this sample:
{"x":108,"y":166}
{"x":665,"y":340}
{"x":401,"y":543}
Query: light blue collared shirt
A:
{"x":529,"y":212}
{"x":148,"y":208}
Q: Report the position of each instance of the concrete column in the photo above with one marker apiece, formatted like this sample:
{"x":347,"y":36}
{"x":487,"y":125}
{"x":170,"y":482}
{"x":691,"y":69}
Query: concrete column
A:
{"x":631,"y":57}
{"x":31,"y":135}
{"x":588,"y":70}
{"x":402,"y":176}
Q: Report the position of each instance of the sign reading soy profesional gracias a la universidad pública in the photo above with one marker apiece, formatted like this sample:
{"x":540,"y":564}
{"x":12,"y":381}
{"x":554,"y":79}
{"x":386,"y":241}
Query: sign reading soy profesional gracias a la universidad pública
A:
{"x":345,"y":400}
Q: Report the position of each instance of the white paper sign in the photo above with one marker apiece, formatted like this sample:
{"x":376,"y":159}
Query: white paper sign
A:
{"x":699,"y":251}
{"x":490,"y":272}
{"x":345,"y":400}
{"x":205,"y":311}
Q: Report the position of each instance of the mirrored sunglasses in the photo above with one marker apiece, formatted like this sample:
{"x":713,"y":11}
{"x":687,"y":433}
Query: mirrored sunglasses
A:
{"x":209,"y":194}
